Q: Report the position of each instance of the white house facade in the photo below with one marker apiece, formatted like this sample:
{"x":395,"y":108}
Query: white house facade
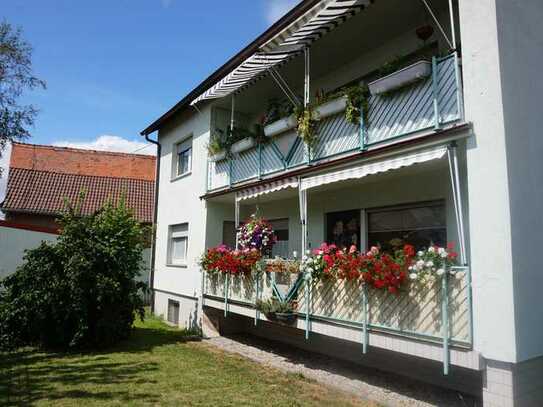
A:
{"x":445,"y":149}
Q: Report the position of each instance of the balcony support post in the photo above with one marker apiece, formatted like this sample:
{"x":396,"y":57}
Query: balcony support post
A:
{"x":307,"y":94}
{"x":232,"y":114}
{"x":307,"y":276}
{"x":257,"y":286}
{"x":225,"y":294}
{"x":457,"y":199}
{"x":259,"y":160}
{"x":445,"y":320}
{"x":230,"y":171}
{"x":365,"y":326}
{"x":303,"y":216}
{"x":435,"y":94}
{"x":236,"y":217}
{"x":308,"y":285}
{"x":453,"y":27}
{"x":362,"y":134}
{"x":306,"y":76}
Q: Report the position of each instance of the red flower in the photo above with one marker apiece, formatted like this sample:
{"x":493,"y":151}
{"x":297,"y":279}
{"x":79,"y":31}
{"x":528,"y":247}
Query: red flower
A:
{"x":409,"y":250}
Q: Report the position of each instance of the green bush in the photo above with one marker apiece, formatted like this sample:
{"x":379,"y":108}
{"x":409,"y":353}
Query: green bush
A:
{"x":80,"y":291}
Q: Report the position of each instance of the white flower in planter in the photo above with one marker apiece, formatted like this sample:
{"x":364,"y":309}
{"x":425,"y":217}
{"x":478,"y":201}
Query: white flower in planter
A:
{"x":429,"y":263}
{"x":431,"y":249}
{"x":420,"y":253}
{"x":440,"y":272}
{"x":413,"y":276}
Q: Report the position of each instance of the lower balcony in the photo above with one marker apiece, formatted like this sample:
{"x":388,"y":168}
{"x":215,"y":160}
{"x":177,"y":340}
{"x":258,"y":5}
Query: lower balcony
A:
{"x":414,"y":204}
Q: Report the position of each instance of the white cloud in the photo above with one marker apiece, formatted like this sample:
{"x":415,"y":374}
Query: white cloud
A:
{"x":4,"y":165}
{"x":110,"y":143}
{"x":275,"y":9}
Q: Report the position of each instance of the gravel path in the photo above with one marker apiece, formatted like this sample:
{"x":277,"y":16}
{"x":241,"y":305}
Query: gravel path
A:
{"x":384,"y":388}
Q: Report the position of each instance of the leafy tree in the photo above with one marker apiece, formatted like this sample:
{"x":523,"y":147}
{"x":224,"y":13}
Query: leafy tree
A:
{"x":80,"y":291}
{"x":15,"y":77}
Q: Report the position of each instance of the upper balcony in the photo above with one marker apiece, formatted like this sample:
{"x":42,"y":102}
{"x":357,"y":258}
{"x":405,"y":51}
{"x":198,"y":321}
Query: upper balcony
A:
{"x":393,"y":54}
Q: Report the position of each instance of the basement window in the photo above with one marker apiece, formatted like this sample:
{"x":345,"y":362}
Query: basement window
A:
{"x":173,"y":312}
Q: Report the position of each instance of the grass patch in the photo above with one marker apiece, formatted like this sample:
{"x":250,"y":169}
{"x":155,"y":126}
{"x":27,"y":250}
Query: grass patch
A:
{"x":158,"y":365}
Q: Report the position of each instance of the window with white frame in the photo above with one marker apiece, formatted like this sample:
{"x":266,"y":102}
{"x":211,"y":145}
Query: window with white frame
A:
{"x":183,"y":161}
{"x":178,"y":244}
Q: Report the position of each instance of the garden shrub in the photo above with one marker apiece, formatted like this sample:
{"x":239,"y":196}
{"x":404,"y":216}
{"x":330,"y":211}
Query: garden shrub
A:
{"x":80,"y":291}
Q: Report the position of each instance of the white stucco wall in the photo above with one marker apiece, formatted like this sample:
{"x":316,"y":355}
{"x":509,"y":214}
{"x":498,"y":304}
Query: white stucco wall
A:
{"x":179,"y":202}
{"x":502,"y":56}
{"x":520,"y":38}
{"x":13,"y":243}
{"x":494,"y":327}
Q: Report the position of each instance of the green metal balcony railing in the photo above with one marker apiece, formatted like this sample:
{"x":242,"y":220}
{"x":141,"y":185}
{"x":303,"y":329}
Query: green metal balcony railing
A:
{"x":431,"y":103}
{"x":439,"y":311}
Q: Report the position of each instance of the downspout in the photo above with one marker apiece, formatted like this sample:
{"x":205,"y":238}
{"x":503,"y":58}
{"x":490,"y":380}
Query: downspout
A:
{"x":155,"y":213}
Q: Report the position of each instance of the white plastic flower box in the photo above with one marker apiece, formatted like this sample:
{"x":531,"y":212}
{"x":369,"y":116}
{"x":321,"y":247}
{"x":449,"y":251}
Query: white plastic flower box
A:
{"x":280,"y":126}
{"x":243,"y":145}
{"x":331,"y":107}
{"x":401,"y":78}
{"x":221,"y":155}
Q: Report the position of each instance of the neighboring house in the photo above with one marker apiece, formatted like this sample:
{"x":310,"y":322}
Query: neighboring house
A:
{"x":42,"y":178}
{"x":453,"y":157}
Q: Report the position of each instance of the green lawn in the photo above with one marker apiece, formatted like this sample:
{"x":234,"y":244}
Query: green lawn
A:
{"x":158,"y":365}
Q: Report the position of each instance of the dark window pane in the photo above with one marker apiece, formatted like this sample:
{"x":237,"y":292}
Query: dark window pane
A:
{"x":407,"y":218}
{"x":343,"y":228}
{"x":183,"y":158}
{"x":420,"y":226}
{"x":229,"y":233}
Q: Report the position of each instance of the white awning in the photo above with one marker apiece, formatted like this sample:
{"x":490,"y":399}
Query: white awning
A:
{"x":253,"y":192}
{"x":374,"y":167}
{"x":318,"y":21}
{"x":247,"y":72}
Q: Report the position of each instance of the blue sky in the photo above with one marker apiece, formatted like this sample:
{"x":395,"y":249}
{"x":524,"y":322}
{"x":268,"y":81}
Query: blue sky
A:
{"x":113,"y":66}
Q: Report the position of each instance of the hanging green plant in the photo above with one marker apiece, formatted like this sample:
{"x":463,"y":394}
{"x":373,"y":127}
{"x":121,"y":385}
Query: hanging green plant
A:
{"x":357,"y":103}
{"x":217,"y":143}
{"x":307,"y":125}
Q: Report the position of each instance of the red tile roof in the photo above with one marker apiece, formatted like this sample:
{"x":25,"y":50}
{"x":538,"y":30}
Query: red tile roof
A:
{"x":41,"y":178}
